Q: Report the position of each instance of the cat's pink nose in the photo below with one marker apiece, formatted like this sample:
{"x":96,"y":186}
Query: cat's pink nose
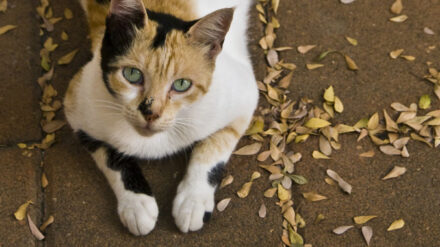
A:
{"x":151,"y":117}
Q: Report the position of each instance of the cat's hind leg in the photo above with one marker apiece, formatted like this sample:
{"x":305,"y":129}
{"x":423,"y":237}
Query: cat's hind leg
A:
{"x":194,"y":202}
{"x":137,"y":208}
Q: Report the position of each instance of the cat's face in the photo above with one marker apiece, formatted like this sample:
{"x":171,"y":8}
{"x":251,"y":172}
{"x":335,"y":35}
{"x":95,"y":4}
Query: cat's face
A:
{"x":155,"y":65}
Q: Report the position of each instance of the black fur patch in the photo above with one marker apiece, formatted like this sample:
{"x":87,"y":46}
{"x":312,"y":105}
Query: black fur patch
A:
{"x":167,"y":23}
{"x":90,"y":143}
{"x":131,"y":174}
{"x":207,"y":216}
{"x":215,"y":175}
{"x":118,"y":37}
{"x":103,"y":1}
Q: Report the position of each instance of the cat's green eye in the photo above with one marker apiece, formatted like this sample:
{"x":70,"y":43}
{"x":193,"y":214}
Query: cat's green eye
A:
{"x":181,"y":85}
{"x":133,"y":75}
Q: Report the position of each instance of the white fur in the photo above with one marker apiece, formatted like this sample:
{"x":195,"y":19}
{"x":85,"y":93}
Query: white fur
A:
{"x":233,"y":95}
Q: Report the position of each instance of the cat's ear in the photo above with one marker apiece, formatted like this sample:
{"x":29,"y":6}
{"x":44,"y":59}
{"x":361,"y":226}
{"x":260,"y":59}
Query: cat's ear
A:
{"x":128,"y":9}
{"x":211,"y":30}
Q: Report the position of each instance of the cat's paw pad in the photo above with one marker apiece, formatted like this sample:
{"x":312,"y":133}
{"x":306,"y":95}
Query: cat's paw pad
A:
{"x":193,"y":206}
{"x":138,"y":212}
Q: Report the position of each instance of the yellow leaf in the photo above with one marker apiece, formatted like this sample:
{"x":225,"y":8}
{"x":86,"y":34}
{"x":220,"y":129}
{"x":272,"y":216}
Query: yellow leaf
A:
{"x":3,"y":5}
{"x":249,"y":149}
{"x":49,"y":221}
{"x":244,"y":191}
{"x":397,"y":7}
{"x":68,"y":13}
{"x":6,"y":28}
{"x":21,"y":145}
{"x":373,"y":122}
{"x":20,"y":214}
{"x":316,"y":123}
{"x":270,"y":192}
{"x":44,"y":181}
{"x":64,"y":36}
{"x":314,"y":197}
{"x":363,"y":219}
{"x":339,"y":107}
{"x":408,"y":58}
{"x":256,"y":126}
{"x":313,"y":66}
{"x":350,"y":63}
{"x":400,"y":18}
{"x":303,"y":49}
{"x":329,"y":94}
{"x":352,"y":41}
{"x":301,"y":138}
{"x":283,"y":194}
{"x":66,"y":59}
{"x":396,"y":53}
{"x":396,"y":225}
{"x":424,"y":102}
{"x":319,"y":155}
{"x":49,"y":45}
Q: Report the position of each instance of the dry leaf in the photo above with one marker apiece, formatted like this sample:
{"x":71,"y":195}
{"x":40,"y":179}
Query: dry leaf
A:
{"x":367,"y":232}
{"x":350,"y":63}
{"x":303,"y":49}
{"x":316,"y":123}
{"x":275,"y":4}
{"x":66,"y":59}
{"x":347,"y":1}
{"x":391,"y":126}
{"x":389,"y":150}
{"x":395,"y":54}
{"x":68,"y":13}
{"x":226,"y":181}
{"x":221,"y":205}
{"x":401,"y":142}
{"x":329,"y":94}
{"x":339,"y":107}
{"x":244,"y":191}
{"x":405,"y":153}
{"x":313,"y":66}
{"x":324,"y":146}
{"x":64,"y":36}
{"x":400,"y":18}
{"x":424,"y":102}
{"x":373,"y":122}
{"x":352,"y":41}
{"x":283,"y":194}
{"x":428,"y":30}
{"x":396,"y":225}
{"x":255,"y":175}
{"x":318,"y":155}
{"x":319,"y":218}
{"x":363,"y":219}
{"x":48,"y":222}
{"x":406,"y":116}
{"x":395,"y":172}
{"x":289,"y":215}
{"x":44,"y":181}
{"x":272,"y":57}
{"x":3,"y":5}
{"x":286,"y":182}
{"x":34,"y":229}
{"x":270,"y":192}
{"x":20,"y":214}
{"x":53,"y":126}
{"x":397,"y":7}
{"x":7,"y":28}
{"x":329,"y":181}
{"x":249,"y":149}
{"x":285,"y":82}
{"x":49,"y":45}
{"x":314,"y":197}
{"x":342,"y":229}
{"x":399,"y":107}
{"x":262,"y":211}
{"x":368,"y":154}
{"x":408,"y":58}
{"x":341,"y":182}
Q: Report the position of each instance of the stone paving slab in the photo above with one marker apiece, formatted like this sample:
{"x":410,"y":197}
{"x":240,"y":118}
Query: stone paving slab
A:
{"x":19,"y":70}
{"x":20,"y":182}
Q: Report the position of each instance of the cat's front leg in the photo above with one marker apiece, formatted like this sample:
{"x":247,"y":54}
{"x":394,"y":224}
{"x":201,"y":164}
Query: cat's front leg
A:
{"x":194,"y":202}
{"x":137,"y":208}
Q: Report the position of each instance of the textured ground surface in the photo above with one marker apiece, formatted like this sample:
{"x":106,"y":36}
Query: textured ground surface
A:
{"x":85,"y":208}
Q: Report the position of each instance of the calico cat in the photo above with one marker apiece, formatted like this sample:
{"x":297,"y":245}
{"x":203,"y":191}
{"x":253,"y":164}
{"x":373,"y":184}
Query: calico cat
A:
{"x":164,"y":75}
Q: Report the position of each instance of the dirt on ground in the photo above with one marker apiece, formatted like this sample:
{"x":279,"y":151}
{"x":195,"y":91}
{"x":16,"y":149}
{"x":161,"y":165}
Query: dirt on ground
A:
{"x":83,"y":204}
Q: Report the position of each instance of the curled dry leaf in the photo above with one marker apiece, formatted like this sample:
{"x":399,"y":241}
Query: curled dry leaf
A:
{"x":313,"y":197}
{"x":226,"y":181}
{"x":369,"y":154}
{"x":262,"y":211}
{"x":269,"y":193}
{"x":249,"y":149}
{"x":395,"y":172}
{"x":400,"y":18}
{"x":389,"y":150}
{"x":20,"y":214}
{"x":396,"y":53}
{"x":316,"y":123}
{"x":44,"y":181}
{"x":398,"y":224}
{"x":303,"y":49}
{"x":244,"y":191}
{"x":341,"y":229}
{"x":341,"y":182}
{"x":318,"y":155}
{"x":367,"y":232}
{"x":221,"y":205}
{"x":47,"y":223}
{"x":34,"y":229}
{"x":312,"y":66}
{"x":7,"y":28}
{"x":397,"y":7}
{"x":66,"y":59}
{"x":363,"y":219}
{"x":350,"y":63}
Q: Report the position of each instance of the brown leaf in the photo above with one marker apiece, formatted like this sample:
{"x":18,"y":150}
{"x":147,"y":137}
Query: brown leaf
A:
{"x":53,"y":126}
{"x":6,"y":28}
{"x":66,"y":59}
{"x":341,"y":182}
{"x":350,"y":63}
{"x":313,"y":66}
{"x":399,"y":107}
{"x":395,"y":172}
{"x":34,"y":229}
{"x":318,"y":155}
{"x":221,"y":205}
{"x":269,"y":193}
{"x":64,"y":36}
{"x":342,"y":229}
{"x":249,"y":149}
{"x":401,"y":142}
{"x":313,"y":197}
{"x":324,"y":146}
{"x":46,"y":223}
{"x":391,"y":126}
{"x":289,"y":215}
{"x":367,"y":232}
{"x":244,"y":191}
{"x":262,"y":211}
{"x":303,"y":49}
{"x":285,"y":82}
{"x":396,"y":53}
{"x":389,"y":150}
{"x":368,"y":154}
{"x":373,"y":122}
{"x":408,"y":58}
{"x":44,"y":181}
{"x":226,"y":181}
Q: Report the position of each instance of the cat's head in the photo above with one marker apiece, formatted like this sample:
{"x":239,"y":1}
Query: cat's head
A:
{"x":155,"y":64}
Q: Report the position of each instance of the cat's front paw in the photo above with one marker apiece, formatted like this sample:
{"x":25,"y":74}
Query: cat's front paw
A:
{"x":138,"y":212}
{"x":193,"y":205}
